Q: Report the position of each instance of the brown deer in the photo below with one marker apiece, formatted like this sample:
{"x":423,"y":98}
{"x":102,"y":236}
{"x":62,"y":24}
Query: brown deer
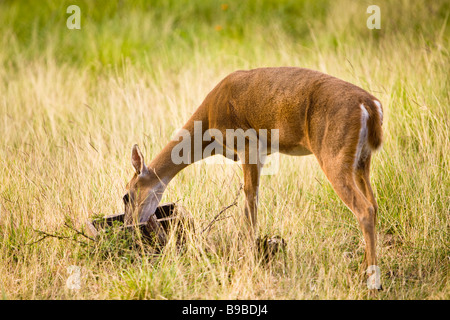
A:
{"x":312,"y":113}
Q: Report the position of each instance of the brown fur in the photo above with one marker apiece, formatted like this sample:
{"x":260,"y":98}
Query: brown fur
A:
{"x":315,"y":114}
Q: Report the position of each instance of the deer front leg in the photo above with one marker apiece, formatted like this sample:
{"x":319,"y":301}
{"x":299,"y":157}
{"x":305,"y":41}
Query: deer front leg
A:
{"x":251,"y":185}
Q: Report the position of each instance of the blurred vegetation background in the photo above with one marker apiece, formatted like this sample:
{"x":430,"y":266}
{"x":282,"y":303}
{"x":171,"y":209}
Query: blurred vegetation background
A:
{"x":143,"y":31}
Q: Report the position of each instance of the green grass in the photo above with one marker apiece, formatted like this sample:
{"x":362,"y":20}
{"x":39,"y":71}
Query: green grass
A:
{"x":73,"y":102}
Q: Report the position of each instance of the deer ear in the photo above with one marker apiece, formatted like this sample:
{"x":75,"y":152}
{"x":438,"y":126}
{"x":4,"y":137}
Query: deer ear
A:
{"x":137,"y":160}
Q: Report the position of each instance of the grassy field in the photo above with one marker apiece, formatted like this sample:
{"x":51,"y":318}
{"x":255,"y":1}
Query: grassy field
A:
{"x":73,"y":102}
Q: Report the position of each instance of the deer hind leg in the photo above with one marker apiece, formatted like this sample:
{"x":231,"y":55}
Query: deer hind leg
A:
{"x":344,"y":183}
{"x":362,"y":177}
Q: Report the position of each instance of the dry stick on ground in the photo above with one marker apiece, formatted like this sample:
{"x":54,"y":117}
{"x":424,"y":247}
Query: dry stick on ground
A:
{"x":46,"y":235}
{"x":60,"y":237}
{"x":216,"y":218}
{"x":78,"y":232}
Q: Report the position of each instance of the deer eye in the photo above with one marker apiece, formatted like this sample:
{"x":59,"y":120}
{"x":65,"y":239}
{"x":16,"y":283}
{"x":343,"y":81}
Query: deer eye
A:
{"x":126,"y":198}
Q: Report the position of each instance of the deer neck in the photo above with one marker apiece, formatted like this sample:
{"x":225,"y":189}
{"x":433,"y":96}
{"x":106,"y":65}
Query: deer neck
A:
{"x":161,"y":171}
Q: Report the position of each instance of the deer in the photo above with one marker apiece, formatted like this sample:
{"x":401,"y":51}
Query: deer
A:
{"x":313,"y":112}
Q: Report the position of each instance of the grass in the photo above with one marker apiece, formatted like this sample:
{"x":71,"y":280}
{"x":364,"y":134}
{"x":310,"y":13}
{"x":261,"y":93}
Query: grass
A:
{"x":73,"y":102}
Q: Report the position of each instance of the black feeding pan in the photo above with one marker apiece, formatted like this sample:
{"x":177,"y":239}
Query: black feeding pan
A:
{"x":170,"y":215}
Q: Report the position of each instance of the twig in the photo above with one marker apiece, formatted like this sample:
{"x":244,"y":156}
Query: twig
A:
{"x":46,"y":235}
{"x":78,"y":232}
{"x":60,"y":237}
{"x":208,"y":227}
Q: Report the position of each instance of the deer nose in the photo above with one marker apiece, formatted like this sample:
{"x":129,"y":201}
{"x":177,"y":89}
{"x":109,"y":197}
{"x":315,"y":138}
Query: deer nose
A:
{"x":126,"y":198}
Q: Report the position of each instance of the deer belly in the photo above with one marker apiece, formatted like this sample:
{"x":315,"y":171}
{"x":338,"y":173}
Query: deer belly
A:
{"x":295,"y":151}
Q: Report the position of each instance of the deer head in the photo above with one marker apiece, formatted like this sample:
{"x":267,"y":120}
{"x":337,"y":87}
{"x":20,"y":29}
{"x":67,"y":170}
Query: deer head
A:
{"x":138,"y":194}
